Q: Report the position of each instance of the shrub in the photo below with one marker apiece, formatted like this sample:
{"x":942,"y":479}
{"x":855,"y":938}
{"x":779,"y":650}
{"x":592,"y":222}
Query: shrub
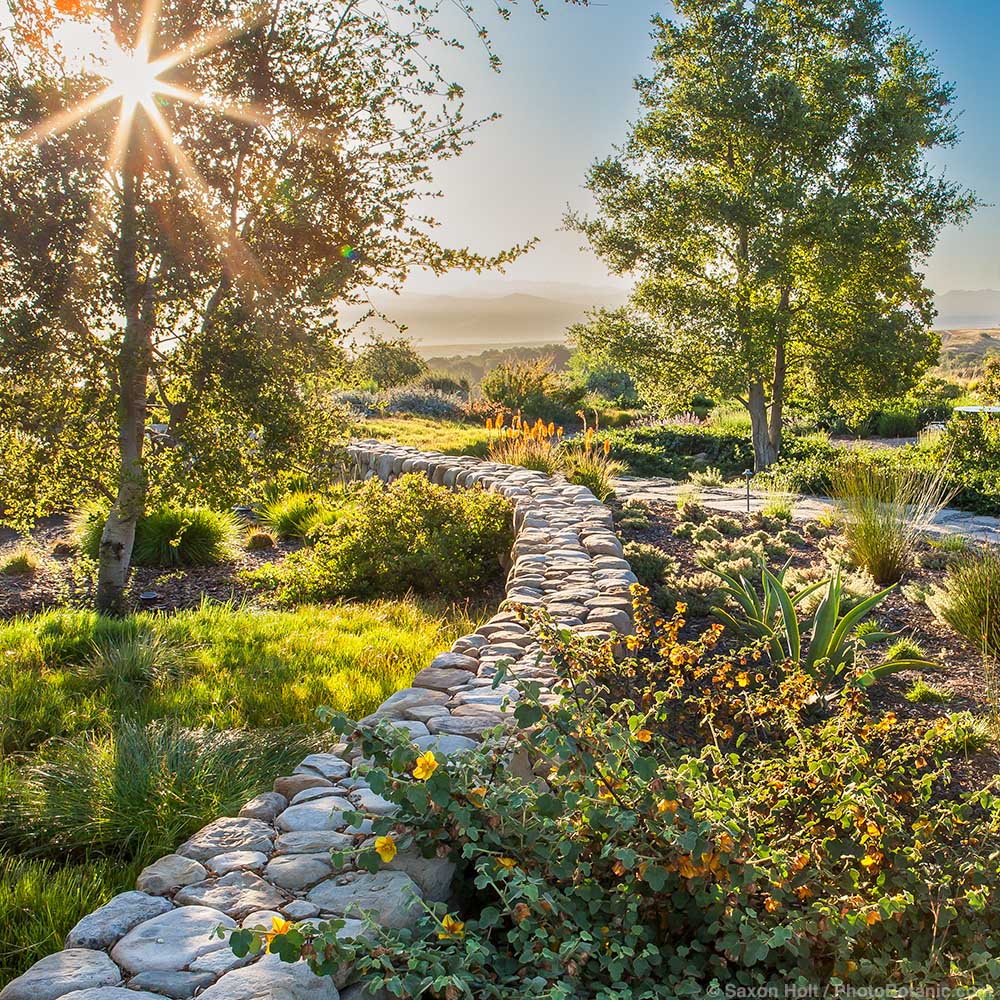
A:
{"x":183,"y":536}
{"x":420,"y":402}
{"x":969,"y":599}
{"x":887,"y":512}
{"x":23,"y":562}
{"x":410,"y":535}
{"x":709,"y":476}
{"x":700,"y":828}
{"x":674,"y":449}
{"x":293,"y":515}
{"x":891,"y":423}
{"x":443,"y":383}
{"x":656,"y":571}
{"x":532,"y":388}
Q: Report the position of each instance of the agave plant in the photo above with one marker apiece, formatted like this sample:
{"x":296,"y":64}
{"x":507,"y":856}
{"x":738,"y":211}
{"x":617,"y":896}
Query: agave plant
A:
{"x":834,"y":639}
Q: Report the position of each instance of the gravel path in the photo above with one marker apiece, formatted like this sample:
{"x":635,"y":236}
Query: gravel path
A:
{"x":806,"y":508}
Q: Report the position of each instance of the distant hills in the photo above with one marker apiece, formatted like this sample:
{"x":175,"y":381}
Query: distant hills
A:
{"x":528,"y":315}
{"x":495,"y":314}
{"x":968,"y":310}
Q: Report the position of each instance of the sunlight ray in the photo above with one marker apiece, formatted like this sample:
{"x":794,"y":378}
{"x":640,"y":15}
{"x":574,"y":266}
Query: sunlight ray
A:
{"x":63,"y":120}
{"x":248,"y":113}
{"x":239,"y":259}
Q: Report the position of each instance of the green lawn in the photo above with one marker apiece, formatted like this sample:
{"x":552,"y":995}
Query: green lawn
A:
{"x":450,"y":437}
{"x":118,"y":739}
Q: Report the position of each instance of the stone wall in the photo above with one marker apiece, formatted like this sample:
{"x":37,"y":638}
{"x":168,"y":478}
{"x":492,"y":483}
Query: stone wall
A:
{"x":158,"y":942}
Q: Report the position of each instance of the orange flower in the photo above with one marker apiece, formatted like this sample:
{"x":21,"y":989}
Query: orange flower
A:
{"x":476,"y":796}
{"x":278,"y":926}
{"x":451,"y":928}
{"x":607,"y":446}
{"x":803,"y":892}
{"x":667,"y":805}
{"x":385,"y":847}
{"x":771,"y":904}
{"x":425,"y":766}
{"x":643,"y":735}
{"x":872,"y":917}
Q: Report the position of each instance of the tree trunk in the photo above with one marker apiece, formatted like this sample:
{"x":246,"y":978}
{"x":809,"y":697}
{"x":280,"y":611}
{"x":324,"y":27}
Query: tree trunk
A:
{"x":777,"y":398}
{"x":135,"y":354}
{"x":764,"y":452}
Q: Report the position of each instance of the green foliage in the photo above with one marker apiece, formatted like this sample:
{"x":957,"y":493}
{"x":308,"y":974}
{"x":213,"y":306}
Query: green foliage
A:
{"x":709,"y":476}
{"x":771,"y":615}
{"x":22,"y":562}
{"x":186,"y":536}
{"x":665,"y":854}
{"x":887,"y":512}
{"x":293,"y":515}
{"x":119,"y":737}
{"x":590,"y":467}
{"x":409,"y":536}
{"x":923,"y":693}
{"x":988,"y":387}
{"x":533,"y":389}
{"x":384,"y":364}
{"x":657,"y":572}
{"x":969,"y":599}
{"x":720,"y":199}
{"x":963,"y":734}
{"x":633,"y":516}
{"x":673,"y":450}
{"x":905,"y":649}
{"x":446,"y":436}
{"x":41,"y":901}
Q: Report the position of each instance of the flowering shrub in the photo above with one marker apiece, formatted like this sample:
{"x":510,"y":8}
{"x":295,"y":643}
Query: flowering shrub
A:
{"x":699,"y":822}
{"x":533,"y":446}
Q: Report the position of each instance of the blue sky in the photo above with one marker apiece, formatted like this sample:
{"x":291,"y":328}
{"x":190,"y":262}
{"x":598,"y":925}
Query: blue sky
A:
{"x":566,"y":96}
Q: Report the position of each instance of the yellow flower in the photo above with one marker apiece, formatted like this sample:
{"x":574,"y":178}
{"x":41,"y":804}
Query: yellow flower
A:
{"x":476,"y":795}
{"x":425,"y":766}
{"x":385,"y":847}
{"x":667,"y":805}
{"x":872,"y":917}
{"x":451,"y":928}
{"x":507,"y":863}
{"x":742,"y":678}
{"x":643,"y":735}
{"x":278,"y":926}
{"x":681,"y":607}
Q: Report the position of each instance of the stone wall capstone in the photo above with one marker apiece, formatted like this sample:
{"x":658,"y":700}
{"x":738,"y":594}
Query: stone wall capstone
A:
{"x":158,"y":942}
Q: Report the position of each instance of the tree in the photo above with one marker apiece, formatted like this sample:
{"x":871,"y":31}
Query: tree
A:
{"x":387,"y":363}
{"x":190,"y":206}
{"x":988,"y":387}
{"x":775,"y":203}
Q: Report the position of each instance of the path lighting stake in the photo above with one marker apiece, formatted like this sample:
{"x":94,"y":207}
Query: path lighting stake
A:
{"x":749,"y":475}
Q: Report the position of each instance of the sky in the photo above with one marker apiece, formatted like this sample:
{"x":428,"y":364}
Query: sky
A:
{"x":566,"y":97}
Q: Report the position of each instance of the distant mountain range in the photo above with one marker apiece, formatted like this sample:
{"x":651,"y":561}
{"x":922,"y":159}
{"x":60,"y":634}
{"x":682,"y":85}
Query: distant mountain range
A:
{"x":498,"y":314}
{"x":968,"y":310}
{"x":527,"y":315}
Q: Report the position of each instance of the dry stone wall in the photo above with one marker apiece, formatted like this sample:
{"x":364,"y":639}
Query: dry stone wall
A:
{"x":159,"y":942}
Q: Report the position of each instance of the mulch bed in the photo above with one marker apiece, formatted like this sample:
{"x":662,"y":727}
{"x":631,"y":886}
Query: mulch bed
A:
{"x":62,"y":581}
{"x":962,"y":673}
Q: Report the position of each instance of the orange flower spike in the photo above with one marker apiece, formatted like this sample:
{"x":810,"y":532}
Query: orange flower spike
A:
{"x":607,"y":447}
{"x":489,"y":423}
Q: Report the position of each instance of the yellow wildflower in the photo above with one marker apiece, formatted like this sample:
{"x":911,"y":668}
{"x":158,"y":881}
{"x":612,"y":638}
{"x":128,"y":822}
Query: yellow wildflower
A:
{"x":643,"y":735}
{"x":507,"y":863}
{"x":278,"y":926}
{"x":667,"y":805}
{"x":385,"y":847}
{"x":425,"y":766}
{"x":451,"y":927}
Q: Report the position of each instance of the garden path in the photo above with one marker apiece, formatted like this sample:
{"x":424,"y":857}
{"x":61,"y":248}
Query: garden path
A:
{"x":733,"y":500}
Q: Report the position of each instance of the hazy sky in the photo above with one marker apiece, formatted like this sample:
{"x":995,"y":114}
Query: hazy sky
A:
{"x":566,"y":96}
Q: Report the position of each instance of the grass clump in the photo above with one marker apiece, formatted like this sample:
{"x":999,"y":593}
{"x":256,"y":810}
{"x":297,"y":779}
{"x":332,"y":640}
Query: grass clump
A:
{"x":905,"y":649}
{"x":923,"y":693}
{"x":260,"y":541}
{"x":292,"y":515}
{"x":963,"y":734}
{"x":22,"y":563}
{"x":969,"y":599}
{"x":409,"y":536}
{"x":167,"y":536}
{"x":887,"y":511}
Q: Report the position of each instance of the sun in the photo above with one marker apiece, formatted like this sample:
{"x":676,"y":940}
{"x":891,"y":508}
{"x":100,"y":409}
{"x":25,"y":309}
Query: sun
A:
{"x":133,"y":77}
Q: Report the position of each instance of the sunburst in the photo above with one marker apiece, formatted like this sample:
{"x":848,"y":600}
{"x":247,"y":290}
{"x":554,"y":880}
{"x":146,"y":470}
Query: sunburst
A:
{"x":136,"y":82}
